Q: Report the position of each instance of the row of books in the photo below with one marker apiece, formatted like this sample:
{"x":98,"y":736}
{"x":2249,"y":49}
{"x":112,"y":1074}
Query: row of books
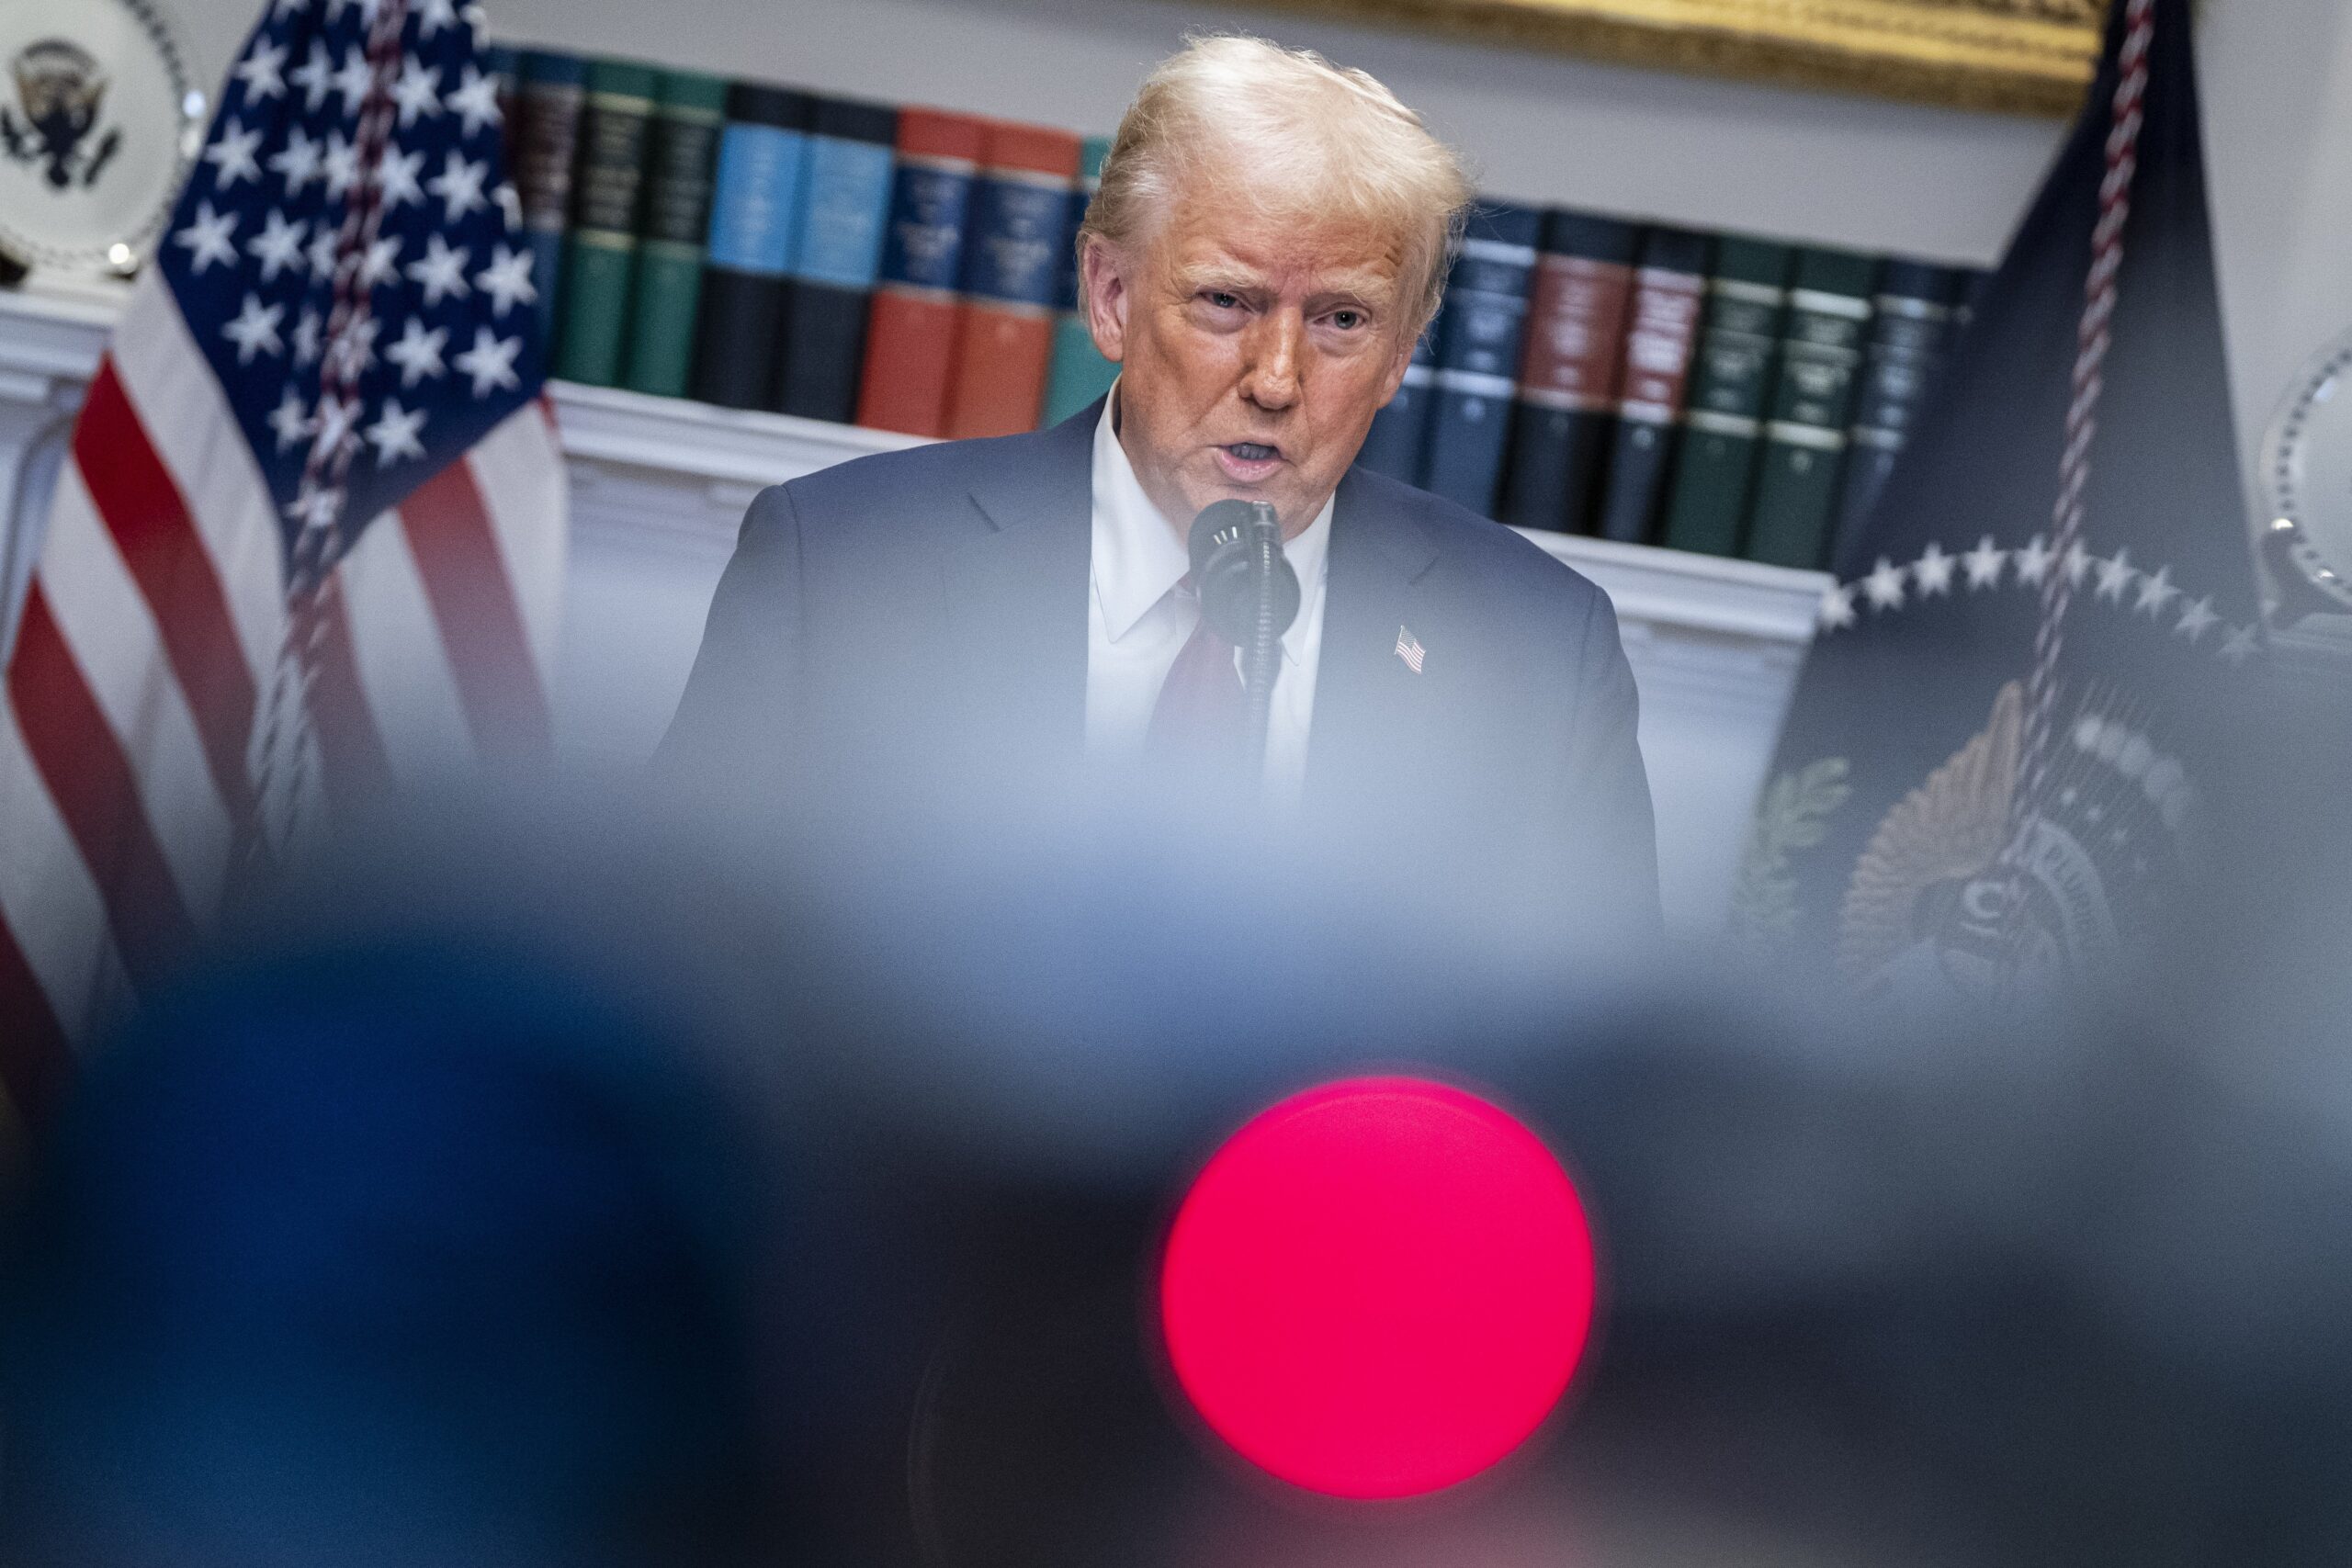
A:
{"x":1719,"y":393}
{"x":758,"y":246}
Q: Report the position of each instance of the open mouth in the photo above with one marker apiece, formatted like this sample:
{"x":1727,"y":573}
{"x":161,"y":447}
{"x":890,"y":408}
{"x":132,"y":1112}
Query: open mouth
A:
{"x":1246,"y":462}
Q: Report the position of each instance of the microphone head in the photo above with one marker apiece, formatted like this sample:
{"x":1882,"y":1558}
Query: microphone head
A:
{"x":1223,"y":542}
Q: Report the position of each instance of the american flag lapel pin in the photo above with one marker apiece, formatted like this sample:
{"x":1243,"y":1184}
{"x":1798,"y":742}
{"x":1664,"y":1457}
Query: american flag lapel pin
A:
{"x":1408,"y":649}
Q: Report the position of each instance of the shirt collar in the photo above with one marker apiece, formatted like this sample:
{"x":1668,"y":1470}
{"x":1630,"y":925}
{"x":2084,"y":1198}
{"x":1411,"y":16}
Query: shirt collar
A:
{"x":1139,"y":555}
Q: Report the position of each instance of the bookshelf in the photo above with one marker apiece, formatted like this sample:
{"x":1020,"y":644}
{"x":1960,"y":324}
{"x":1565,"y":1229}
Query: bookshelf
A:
{"x":658,"y":486}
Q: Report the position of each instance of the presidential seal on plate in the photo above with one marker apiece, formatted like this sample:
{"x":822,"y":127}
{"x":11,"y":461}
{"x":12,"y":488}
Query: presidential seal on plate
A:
{"x":98,"y":124}
{"x":2307,"y":485}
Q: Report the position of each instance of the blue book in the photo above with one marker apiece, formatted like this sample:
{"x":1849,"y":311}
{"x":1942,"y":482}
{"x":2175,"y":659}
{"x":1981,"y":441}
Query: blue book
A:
{"x":1478,"y":354}
{"x":1394,"y":445}
{"x":846,"y":203}
{"x":756,"y":205}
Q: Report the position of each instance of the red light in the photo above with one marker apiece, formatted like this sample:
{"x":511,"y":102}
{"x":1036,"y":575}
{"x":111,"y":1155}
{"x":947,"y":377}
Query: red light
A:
{"x":1377,"y":1288}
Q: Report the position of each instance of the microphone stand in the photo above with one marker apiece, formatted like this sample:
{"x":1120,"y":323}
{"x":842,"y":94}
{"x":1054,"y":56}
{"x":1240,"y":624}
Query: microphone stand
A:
{"x":1262,"y":654}
{"x":1249,"y":596}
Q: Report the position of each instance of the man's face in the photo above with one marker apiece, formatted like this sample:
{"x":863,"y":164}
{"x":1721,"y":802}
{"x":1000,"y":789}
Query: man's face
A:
{"x":1252,"y":352}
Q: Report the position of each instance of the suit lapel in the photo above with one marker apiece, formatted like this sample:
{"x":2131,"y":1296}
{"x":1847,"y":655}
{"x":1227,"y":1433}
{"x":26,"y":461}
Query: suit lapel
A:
{"x":1373,"y":711}
{"x":1017,"y":596}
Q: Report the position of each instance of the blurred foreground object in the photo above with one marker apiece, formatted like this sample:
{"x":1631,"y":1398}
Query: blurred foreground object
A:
{"x":544,"y":1186}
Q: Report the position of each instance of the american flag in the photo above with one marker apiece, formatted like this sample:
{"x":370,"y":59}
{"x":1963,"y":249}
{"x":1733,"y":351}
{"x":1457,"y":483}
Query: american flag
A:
{"x":309,"y":537}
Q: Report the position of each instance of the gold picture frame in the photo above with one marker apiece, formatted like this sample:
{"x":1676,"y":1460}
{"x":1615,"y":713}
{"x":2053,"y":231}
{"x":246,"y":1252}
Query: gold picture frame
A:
{"x":2012,"y":56}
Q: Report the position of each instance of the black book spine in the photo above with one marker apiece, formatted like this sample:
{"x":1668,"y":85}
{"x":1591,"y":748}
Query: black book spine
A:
{"x":754,"y":206}
{"x":1570,"y":373}
{"x":1910,"y":334}
{"x":839,"y":252}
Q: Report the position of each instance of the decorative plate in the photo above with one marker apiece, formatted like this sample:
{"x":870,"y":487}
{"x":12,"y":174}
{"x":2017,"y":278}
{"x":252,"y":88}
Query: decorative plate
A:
{"x":98,"y":124}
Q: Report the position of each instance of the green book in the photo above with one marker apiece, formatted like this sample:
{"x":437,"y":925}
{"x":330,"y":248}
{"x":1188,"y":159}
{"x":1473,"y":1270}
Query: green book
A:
{"x":1724,"y":424}
{"x":1079,"y":372}
{"x":1803,"y":469}
{"x":682,"y":150}
{"x":600,"y":249}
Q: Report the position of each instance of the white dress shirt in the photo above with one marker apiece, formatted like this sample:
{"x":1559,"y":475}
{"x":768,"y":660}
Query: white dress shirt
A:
{"x":1138,"y":620}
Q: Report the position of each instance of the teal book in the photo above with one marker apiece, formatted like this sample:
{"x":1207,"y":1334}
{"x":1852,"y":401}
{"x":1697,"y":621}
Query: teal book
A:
{"x":1731,"y":379}
{"x":680,"y":155}
{"x":1804,"y":466}
{"x":1079,"y":372}
{"x":600,"y":251}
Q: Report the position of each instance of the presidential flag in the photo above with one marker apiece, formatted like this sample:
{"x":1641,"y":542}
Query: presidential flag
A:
{"x":309,"y":537}
{"x":1992,"y":779}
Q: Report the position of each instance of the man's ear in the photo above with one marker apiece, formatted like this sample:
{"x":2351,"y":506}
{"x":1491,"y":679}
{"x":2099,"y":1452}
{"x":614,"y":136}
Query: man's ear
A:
{"x":1107,"y":296}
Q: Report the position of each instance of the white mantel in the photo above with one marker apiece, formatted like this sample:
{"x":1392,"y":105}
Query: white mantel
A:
{"x":660,"y":484}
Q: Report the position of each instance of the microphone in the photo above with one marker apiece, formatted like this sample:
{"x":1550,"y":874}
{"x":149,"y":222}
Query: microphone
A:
{"x":1248,"y":595}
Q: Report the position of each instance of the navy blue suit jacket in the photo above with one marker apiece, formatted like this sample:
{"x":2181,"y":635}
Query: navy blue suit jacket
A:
{"x":923,"y":614}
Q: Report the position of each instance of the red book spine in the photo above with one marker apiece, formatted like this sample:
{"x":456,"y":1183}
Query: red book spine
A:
{"x":911,"y":324}
{"x":1576,"y":335}
{"x":1023,"y":213}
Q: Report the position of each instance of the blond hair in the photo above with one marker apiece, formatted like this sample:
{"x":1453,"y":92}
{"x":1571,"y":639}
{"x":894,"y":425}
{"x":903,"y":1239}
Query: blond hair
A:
{"x":1294,"y":135}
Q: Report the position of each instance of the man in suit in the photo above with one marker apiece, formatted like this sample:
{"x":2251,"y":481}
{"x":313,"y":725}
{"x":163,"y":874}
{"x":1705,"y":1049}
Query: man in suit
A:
{"x":1268,"y":241}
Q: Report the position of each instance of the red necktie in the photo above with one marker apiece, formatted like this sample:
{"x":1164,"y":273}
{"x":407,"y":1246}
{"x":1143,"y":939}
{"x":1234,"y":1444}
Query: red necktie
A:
{"x":1202,"y":710}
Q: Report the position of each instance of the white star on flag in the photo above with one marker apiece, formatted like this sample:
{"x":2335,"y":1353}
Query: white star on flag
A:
{"x":231,"y":154}
{"x":418,"y":353}
{"x":254,"y":328}
{"x":434,"y":14}
{"x":206,"y":239}
{"x":2196,"y":618}
{"x":2116,"y":575}
{"x":396,"y":175}
{"x":354,"y":349}
{"x":1933,"y":570}
{"x":354,"y":80}
{"x":322,"y":253}
{"x":490,"y":361}
{"x":299,"y":163}
{"x":331,"y":431}
{"x":2033,"y":562}
{"x":418,"y":92}
{"x":2078,"y":561}
{"x":475,"y":101}
{"x":441,"y":272}
{"x":381,"y":261}
{"x":287,"y":420}
{"x":263,"y":72}
{"x":1836,"y":608}
{"x":2240,"y":645}
{"x":1885,"y":585}
{"x":342,"y":165}
{"x":2155,"y":591}
{"x":394,"y":433}
{"x":314,"y":76}
{"x":507,"y":281}
{"x":1984,"y":563}
{"x":277,"y":246}
{"x":458,"y":185}
{"x":306,"y":336}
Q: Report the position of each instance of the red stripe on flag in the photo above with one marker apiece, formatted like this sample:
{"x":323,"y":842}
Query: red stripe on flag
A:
{"x":352,"y":758}
{"x":450,"y":535}
{"x":82,"y":762}
{"x":35,"y":1061}
{"x":150,"y":521}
